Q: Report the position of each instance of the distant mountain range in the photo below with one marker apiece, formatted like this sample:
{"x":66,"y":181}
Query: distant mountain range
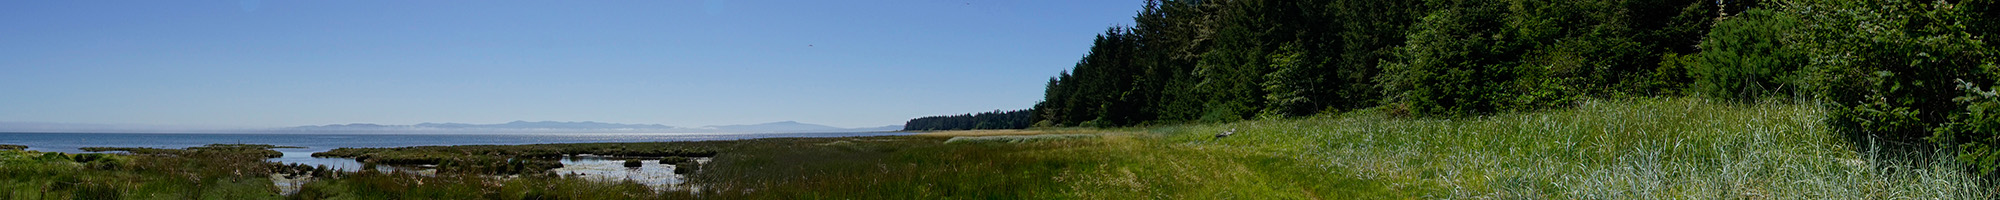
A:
{"x":585,"y":126}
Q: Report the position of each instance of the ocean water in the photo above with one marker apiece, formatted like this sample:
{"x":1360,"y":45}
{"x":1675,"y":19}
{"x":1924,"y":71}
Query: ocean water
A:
{"x":69,"y":142}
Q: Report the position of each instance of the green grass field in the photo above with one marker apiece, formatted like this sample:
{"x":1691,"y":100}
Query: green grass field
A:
{"x":1630,"y":149}
{"x":1625,"y":149}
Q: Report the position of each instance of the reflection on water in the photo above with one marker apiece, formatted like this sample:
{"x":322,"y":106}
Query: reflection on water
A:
{"x":301,"y":157}
{"x":651,"y":173}
{"x":345,"y":164}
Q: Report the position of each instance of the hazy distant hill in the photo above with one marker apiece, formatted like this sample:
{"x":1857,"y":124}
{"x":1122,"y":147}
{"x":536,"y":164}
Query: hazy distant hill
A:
{"x":795,"y":127}
{"x":515,"y":125}
{"x":549,"y":125}
{"x":879,"y":128}
{"x":784,"y":126}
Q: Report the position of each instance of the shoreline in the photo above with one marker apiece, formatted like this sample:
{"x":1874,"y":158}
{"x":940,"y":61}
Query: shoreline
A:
{"x":72,"y":142}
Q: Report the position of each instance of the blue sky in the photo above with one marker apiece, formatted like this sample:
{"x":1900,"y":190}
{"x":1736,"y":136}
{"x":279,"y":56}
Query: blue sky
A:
{"x":248,"y":63}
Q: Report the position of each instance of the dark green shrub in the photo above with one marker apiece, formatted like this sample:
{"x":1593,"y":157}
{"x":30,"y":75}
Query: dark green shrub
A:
{"x":89,"y":157}
{"x":1746,"y":57}
{"x":1888,"y":70}
{"x":100,"y":161}
{"x":634,"y":163}
{"x":1477,"y":57}
{"x":1975,"y":129}
{"x":1456,"y":62}
{"x":1672,"y":76}
{"x":53,"y":156}
{"x":686,"y":167}
{"x":674,"y":159}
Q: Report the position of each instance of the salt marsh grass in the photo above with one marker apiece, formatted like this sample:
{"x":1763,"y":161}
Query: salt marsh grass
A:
{"x":1018,"y":138}
{"x":1614,"y":149}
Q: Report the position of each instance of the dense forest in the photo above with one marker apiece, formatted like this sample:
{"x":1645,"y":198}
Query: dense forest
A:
{"x":1905,"y":72}
{"x":1013,"y":119}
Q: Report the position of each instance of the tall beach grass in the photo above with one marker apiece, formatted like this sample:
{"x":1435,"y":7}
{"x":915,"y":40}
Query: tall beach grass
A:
{"x":1606,"y":149}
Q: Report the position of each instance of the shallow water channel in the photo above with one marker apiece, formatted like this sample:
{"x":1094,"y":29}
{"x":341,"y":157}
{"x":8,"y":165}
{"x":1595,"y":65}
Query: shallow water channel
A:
{"x":651,"y":173}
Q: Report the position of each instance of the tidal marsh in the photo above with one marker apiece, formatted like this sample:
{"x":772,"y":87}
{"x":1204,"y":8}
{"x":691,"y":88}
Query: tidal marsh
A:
{"x":1669,"y":148}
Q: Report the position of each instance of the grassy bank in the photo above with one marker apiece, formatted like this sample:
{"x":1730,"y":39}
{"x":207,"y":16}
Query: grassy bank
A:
{"x":1628,"y":149}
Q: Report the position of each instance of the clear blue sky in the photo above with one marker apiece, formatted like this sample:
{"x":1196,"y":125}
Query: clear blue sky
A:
{"x":249,"y":63}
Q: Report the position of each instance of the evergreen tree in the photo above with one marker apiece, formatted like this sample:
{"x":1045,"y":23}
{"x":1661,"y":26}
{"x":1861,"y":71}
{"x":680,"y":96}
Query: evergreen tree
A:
{"x":1013,"y":119}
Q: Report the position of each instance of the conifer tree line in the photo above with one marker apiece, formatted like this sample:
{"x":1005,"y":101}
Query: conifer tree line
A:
{"x":1905,"y":71}
{"x":1012,"y":119}
{"x":1227,"y":60}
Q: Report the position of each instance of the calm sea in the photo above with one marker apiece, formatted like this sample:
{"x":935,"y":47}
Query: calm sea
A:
{"x":69,"y":142}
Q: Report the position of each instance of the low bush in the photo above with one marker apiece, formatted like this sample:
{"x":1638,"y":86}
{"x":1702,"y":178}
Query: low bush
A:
{"x":686,"y":167}
{"x":634,"y":163}
{"x":1900,"y":73}
{"x":53,"y":156}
